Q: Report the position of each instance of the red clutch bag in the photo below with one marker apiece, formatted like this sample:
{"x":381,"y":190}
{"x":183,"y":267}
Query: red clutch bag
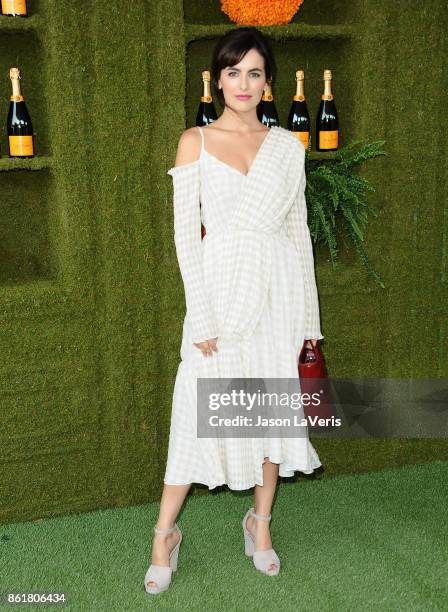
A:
{"x":311,"y":369}
{"x":311,"y":362}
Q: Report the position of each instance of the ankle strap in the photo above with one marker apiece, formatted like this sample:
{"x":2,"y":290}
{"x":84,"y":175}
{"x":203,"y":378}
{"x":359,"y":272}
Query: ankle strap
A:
{"x":260,"y":517}
{"x":165,"y":529}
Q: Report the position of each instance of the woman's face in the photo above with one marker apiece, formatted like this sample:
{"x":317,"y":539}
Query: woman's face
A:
{"x":247,"y":78}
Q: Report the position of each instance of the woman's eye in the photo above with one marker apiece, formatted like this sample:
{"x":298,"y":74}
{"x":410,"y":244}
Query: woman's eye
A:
{"x":255,"y":74}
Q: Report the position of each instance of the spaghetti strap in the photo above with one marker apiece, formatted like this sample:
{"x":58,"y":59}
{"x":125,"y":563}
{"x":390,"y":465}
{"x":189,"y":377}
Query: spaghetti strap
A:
{"x":202,"y":138}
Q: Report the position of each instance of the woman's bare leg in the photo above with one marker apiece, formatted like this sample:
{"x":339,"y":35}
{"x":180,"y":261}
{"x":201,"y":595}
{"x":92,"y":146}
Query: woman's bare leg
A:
{"x":173,"y":497}
{"x":263,"y":497}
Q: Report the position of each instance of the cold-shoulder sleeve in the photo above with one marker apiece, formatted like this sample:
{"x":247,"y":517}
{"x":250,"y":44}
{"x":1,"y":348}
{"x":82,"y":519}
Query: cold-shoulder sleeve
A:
{"x":298,"y":231}
{"x":189,"y":249}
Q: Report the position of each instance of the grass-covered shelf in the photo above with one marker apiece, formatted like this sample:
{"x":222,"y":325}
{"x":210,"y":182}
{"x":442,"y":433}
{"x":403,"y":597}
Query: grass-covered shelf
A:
{"x":27,"y":163}
{"x":20,"y":24}
{"x":284,"y":32}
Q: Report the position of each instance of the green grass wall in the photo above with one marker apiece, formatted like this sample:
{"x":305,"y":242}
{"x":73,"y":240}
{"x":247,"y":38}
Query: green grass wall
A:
{"x":91,"y":299}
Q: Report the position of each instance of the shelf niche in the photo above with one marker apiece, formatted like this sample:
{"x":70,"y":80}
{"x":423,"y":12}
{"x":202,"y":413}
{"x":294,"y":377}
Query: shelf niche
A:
{"x":26,"y":250}
{"x":313,"y":56}
{"x":25,"y":52}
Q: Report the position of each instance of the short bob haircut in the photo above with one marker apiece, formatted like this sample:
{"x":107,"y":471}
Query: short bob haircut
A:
{"x":232,"y":47}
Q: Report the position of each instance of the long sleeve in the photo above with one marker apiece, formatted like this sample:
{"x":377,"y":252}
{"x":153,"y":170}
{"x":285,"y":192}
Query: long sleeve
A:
{"x":189,"y":249}
{"x":298,"y":231}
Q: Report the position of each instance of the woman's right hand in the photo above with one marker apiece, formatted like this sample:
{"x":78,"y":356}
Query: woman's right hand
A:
{"x":208,"y":346}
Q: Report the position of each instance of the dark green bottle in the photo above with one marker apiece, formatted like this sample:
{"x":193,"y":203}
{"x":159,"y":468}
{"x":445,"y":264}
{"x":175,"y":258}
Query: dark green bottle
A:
{"x":327,"y":123}
{"x":18,"y":125}
{"x":299,"y":118}
{"x":206,"y":112}
{"x":266,"y":110}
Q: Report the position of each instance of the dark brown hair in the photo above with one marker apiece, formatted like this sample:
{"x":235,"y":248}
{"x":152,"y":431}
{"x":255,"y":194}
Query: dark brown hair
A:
{"x":232,"y":47}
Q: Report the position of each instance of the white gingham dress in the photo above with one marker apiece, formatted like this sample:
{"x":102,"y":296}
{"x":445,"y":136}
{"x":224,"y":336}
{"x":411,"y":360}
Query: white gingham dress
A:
{"x":250,"y":282}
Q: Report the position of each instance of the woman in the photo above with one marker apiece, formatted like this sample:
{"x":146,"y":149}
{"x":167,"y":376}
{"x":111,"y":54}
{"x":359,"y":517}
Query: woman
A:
{"x":250,"y":293}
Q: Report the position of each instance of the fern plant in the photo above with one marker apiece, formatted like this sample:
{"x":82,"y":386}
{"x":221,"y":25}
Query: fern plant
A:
{"x":333,"y":190}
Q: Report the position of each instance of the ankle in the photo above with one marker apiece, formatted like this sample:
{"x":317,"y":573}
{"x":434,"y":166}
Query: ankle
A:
{"x":258,"y":526}
{"x":262,"y":513}
{"x":261,"y":526}
{"x":164,"y":537}
{"x":164,"y":525}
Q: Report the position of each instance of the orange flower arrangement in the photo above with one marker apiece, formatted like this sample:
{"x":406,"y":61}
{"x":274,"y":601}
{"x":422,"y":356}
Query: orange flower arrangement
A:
{"x":260,"y":12}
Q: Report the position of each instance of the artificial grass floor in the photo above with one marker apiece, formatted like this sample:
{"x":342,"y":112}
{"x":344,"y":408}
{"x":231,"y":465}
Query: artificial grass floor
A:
{"x":375,"y":541}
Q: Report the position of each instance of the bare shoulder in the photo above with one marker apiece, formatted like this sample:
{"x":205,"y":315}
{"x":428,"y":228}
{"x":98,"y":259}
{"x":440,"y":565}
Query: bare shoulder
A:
{"x":189,"y":147}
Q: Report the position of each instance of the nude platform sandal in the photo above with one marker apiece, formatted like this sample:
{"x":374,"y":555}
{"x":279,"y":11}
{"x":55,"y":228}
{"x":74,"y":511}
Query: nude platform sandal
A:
{"x":161,"y":574}
{"x":262,"y":558}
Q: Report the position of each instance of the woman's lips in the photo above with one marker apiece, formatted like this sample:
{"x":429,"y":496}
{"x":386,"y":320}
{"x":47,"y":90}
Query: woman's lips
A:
{"x":244,"y":97}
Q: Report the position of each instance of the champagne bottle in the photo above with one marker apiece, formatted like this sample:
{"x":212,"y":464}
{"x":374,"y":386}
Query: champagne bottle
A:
{"x":19,"y":127}
{"x":266,"y":111}
{"x":206,"y":111}
{"x":299,"y":118}
{"x":327,"y":123}
{"x":14,"y":8}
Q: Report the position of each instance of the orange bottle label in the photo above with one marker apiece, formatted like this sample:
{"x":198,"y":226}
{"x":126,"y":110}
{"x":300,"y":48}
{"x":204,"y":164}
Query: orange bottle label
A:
{"x":328,"y":140}
{"x":21,"y":145}
{"x":304,"y":137}
{"x":14,"y":6}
